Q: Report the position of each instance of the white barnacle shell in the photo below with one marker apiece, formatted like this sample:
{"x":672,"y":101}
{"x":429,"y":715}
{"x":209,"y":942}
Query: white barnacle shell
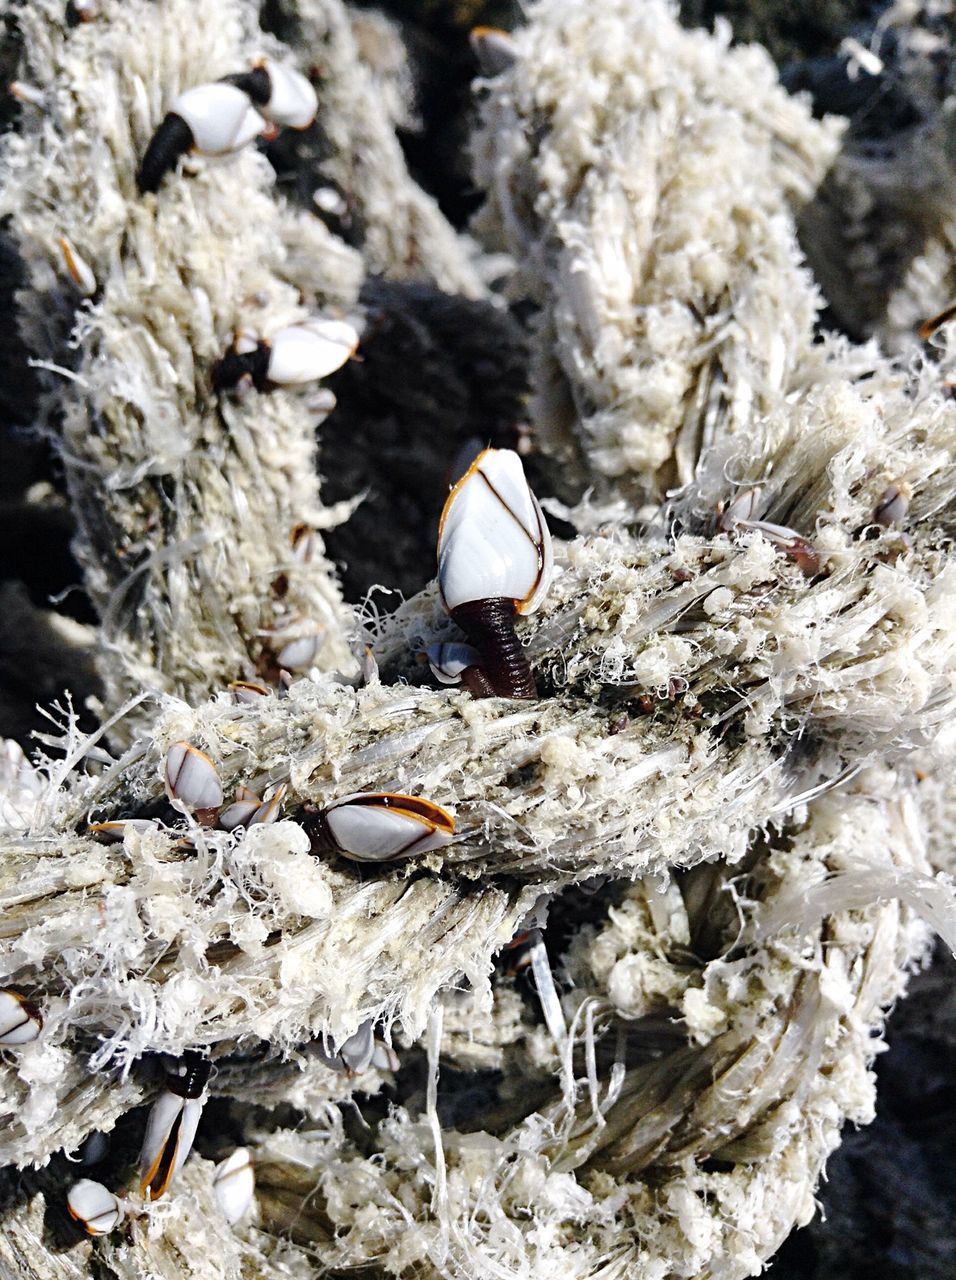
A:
{"x":220,"y":117}
{"x":330,"y":201}
{"x":248,"y":690}
{"x":495,"y":49}
{"x":493,"y":541}
{"x":27,"y":93}
{"x":358,"y":1050}
{"x":743,"y":507}
{"x":20,"y":787}
{"x":384,"y":1057}
{"x":892,"y":504}
{"x":191,"y":777}
{"x":80,"y":271}
{"x":242,"y":810}
{"x":305,"y":352}
{"x":374,"y":826}
{"x":94,"y":1207}
{"x":20,"y":1020}
{"x":268,"y":811}
{"x":448,"y":661}
{"x":292,"y":101}
{"x":301,"y":640}
{"x":304,"y":540}
{"x":233,"y":1184}
{"x":168,"y":1140}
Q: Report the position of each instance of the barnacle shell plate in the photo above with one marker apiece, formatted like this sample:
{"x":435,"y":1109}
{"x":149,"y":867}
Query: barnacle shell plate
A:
{"x":376,"y":826}
{"x":293,"y":101}
{"x":493,"y":541}
{"x":303,"y":353}
{"x":219,"y":117}
{"x":94,"y":1207}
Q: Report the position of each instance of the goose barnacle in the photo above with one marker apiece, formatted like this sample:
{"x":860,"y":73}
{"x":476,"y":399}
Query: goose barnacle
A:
{"x":234,"y":1183}
{"x":172,"y":1124}
{"x":94,"y":1207}
{"x":741,"y":514}
{"x":376,"y":826}
{"x":282,"y":94}
{"x":892,"y":505}
{"x":20,"y":1019}
{"x":494,"y":562}
{"x":450,"y":663}
{"x":292,"y":357}
{"x":213,"y":119}
{"x":191,"y":778}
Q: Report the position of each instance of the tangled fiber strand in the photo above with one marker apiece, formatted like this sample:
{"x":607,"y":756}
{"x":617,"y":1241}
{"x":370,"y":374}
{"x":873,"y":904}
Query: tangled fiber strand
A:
{"x":716,"y":792}
{"x":145,"y":446}
{"x":645,"y":179}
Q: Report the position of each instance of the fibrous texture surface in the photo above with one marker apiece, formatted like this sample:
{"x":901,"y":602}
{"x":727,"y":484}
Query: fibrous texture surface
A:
{"x":646,"y":183}
{"x":724,"y":824}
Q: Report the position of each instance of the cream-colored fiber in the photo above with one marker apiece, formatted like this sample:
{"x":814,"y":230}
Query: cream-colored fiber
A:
{"x":403,"y":233}
{"x":645,"y":180}
{"x":731,"y":800}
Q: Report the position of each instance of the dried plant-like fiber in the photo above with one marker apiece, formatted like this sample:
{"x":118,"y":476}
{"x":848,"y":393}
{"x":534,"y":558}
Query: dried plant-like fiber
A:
{"x":173,"y":1238}
{"x":712,"y":714}
{"x":765,"y":684}
{"x":144,"y":443}
{"x":696,"y":1164}
{"x":644,"y":177}
{"x":402,"y":233}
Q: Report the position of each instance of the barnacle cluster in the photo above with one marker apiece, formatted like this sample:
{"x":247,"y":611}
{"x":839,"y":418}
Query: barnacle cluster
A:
{"x":564,"y":951}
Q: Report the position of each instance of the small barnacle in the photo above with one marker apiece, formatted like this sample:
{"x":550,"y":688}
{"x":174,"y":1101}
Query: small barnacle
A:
{"x":247,"y":690}
{"x":741,"y":514}
{"x":384,"y":1057}
{"x":78,"y":11}
{"x":269,"y":810}
{"x":191,"y":778}
{"x":233,"y":1184}
{"x":27,"y":93}
{"x":929,"y":327}
{"x":328,"y":200}
{"x":303,"y":539}
{"x":357,"y":1051}
{"x":294,"y":356}
{"x":238,"y":814}
{"x":892,"y":504}
{"x":369,"y":666}
{"x":494,"y":49}
{"x":301,"y":639}
{"x":494,"y":562}
{"x":376,"y":826}
{"x":80,"y":271}
{"x":453,"y":663}
{"x":361,"y":1051}
{"x":172,"y":1124}
{"x":797,"y":548}
{"x":741,"y":509}
{"x":20,"y":1019}
{"x":248,"y":810}
{"x":94,"y":1207}
{"x":282,"y":94}
{"x":213,"y":119}
{"x":114,"y":831}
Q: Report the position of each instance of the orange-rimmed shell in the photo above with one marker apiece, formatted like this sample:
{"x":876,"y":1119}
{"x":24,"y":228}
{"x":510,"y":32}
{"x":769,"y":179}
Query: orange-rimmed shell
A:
{"x":376,"y":826}
{"x":493,"y":540}
{"x":191,"y":777}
